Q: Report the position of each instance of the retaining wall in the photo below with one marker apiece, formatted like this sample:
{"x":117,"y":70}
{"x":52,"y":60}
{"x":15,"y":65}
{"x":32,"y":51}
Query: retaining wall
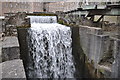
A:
{"x":102,"y":50}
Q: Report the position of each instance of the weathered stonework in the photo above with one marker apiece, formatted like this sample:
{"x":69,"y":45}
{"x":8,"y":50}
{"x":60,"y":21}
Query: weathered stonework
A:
{"x":12,"y":69}
{"x":10,"y":49}
{"x":102,"y":51}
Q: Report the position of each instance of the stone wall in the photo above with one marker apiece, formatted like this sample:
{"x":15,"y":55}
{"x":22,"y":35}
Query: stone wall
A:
{"x":62,"y":6}
{"x":101,"y":50}
{"x":15,"y":7}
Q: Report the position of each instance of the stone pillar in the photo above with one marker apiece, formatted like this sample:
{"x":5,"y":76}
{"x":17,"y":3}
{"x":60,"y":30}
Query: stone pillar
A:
{"x":22,"y":37}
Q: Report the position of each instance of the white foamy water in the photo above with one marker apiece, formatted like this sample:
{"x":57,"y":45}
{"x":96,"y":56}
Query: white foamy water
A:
{"x":50,"y":51}
{"x":43,"y":19}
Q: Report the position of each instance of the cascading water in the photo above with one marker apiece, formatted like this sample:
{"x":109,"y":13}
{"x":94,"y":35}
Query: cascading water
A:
{"x":43,"y":19}
{"x":50,"y":49}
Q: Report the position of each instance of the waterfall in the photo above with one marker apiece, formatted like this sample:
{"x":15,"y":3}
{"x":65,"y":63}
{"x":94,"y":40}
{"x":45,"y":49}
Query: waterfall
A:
{"x":50,"y":49}
{"x":43,"y":19}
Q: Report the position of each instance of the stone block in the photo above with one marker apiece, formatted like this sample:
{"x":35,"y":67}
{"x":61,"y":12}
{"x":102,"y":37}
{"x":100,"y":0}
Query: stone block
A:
{"x":10,"y":53}
{"x":12,"y":69}
{"x":10,"y":49}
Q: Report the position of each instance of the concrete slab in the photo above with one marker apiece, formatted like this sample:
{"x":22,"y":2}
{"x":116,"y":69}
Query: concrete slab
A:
{"x":13,"y":69}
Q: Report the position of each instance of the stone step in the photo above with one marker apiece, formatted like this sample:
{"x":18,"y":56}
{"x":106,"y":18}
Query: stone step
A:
{"x":12,"y":69}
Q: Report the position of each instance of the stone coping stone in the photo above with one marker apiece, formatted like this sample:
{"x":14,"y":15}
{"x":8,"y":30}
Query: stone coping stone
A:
{"x":91,"y":30}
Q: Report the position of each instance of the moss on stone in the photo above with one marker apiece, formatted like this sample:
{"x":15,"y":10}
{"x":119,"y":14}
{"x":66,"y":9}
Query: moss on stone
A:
{"x":41,"y":14}
{"x":101,"y":70}
{"x":25,"y":26}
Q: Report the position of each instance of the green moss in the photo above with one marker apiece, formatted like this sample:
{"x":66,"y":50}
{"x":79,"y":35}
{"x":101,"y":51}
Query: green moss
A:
{"x":40,"y":14}
{"x":25,"y":26}
{"x":60,"y":21}
{"x":101,"y":70}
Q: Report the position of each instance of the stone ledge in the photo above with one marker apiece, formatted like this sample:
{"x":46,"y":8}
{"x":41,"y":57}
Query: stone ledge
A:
{"x":12,"y":69}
